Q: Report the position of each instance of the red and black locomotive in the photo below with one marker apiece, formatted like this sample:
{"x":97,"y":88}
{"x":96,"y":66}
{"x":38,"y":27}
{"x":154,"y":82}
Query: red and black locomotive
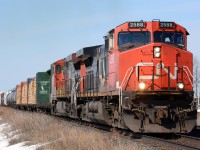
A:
{"x":140,"y":79}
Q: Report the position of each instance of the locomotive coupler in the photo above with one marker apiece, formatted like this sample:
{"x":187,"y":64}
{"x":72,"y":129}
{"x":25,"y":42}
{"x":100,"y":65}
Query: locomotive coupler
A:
{"x":182,"y":116}
{"x":140,"y":113}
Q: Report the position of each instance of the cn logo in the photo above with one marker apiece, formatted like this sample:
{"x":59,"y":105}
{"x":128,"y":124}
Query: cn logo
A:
{"x":158,"y":68}
{"x":42,"y":88}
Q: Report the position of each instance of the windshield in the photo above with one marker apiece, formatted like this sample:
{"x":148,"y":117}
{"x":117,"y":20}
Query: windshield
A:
{"x":133,"y":39}
{"x":175,"y":38}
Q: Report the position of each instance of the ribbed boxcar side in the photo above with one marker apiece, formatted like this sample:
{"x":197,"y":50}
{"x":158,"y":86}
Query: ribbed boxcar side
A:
{"x":32,"y":92}
{"x":43,"y":89}
{"x":24,"y":87}
{"x":18,"y":94}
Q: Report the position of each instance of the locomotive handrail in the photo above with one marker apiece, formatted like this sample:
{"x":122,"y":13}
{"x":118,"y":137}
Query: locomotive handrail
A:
{"x":75,"y":86}
{"x":122,"y":85}
{"x":123,"y":82}
{"x":188,"y":76}
{"x":188,"y":70}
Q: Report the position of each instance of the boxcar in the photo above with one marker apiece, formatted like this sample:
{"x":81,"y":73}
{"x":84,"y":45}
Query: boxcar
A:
{"x":43,"y":84}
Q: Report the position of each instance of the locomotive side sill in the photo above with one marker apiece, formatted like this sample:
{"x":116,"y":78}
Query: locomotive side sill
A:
{"x":159,"y":92}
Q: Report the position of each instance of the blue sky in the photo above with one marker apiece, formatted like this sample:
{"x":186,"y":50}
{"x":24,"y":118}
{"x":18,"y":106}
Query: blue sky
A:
{"x":35,"y":33}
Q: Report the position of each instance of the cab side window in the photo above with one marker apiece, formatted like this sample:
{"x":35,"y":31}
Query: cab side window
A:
{"x":109,"y":42}
{"x":58,"y":69}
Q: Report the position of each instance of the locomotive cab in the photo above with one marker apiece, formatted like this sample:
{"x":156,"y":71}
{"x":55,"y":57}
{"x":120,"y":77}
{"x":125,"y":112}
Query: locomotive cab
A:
{"x":57,"y":80}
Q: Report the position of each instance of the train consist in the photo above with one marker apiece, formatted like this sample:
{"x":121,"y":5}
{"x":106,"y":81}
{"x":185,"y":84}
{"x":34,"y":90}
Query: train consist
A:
{"x":139,"y":79}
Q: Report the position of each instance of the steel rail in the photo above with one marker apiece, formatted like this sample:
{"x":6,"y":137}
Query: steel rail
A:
{"x":172,"y":143}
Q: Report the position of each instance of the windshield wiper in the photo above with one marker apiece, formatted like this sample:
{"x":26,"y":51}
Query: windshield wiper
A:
{"x":181,"y":45}
{"x":175,"y":44}
{"x":127,"y":46}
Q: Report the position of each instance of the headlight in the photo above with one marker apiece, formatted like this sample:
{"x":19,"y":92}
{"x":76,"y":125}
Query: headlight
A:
{"x":180,"y":86}
{"x":156,"y":52}
{"x":142,"y":86}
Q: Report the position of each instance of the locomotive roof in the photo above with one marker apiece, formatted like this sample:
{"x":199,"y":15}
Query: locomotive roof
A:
{"x":87,"y":51}
{"x":126,"y":25}
{"x":70,"y":57}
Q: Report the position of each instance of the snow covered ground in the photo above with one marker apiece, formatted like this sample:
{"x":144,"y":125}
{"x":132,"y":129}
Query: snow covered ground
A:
{"x":4,"y":140}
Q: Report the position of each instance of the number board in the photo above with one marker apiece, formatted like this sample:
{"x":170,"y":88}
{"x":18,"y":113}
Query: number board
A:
{"x":166,"y":24}
{"x":136,"y":25}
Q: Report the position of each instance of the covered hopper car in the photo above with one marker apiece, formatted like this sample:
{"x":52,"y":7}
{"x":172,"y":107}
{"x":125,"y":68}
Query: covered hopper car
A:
{"x":11,"y":98}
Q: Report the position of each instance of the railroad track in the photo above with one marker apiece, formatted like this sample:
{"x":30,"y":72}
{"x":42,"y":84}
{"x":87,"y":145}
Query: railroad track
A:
{"x":189,"y":137}
{"x":175,"y":143}
{"x":172,"y":142}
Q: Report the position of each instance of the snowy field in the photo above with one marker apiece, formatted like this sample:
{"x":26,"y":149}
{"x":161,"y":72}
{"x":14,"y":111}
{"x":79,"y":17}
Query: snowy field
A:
{"x":4,"y":140}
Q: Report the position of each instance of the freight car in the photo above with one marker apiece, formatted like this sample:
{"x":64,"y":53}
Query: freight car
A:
{"x":11,"y":98}
{"x":3,"y":98}
{"x":34,"y":94}
{"x":139,"y":79}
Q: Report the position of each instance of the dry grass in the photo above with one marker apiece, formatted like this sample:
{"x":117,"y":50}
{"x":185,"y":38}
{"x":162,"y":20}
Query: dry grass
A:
{"x":56,"y":134}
